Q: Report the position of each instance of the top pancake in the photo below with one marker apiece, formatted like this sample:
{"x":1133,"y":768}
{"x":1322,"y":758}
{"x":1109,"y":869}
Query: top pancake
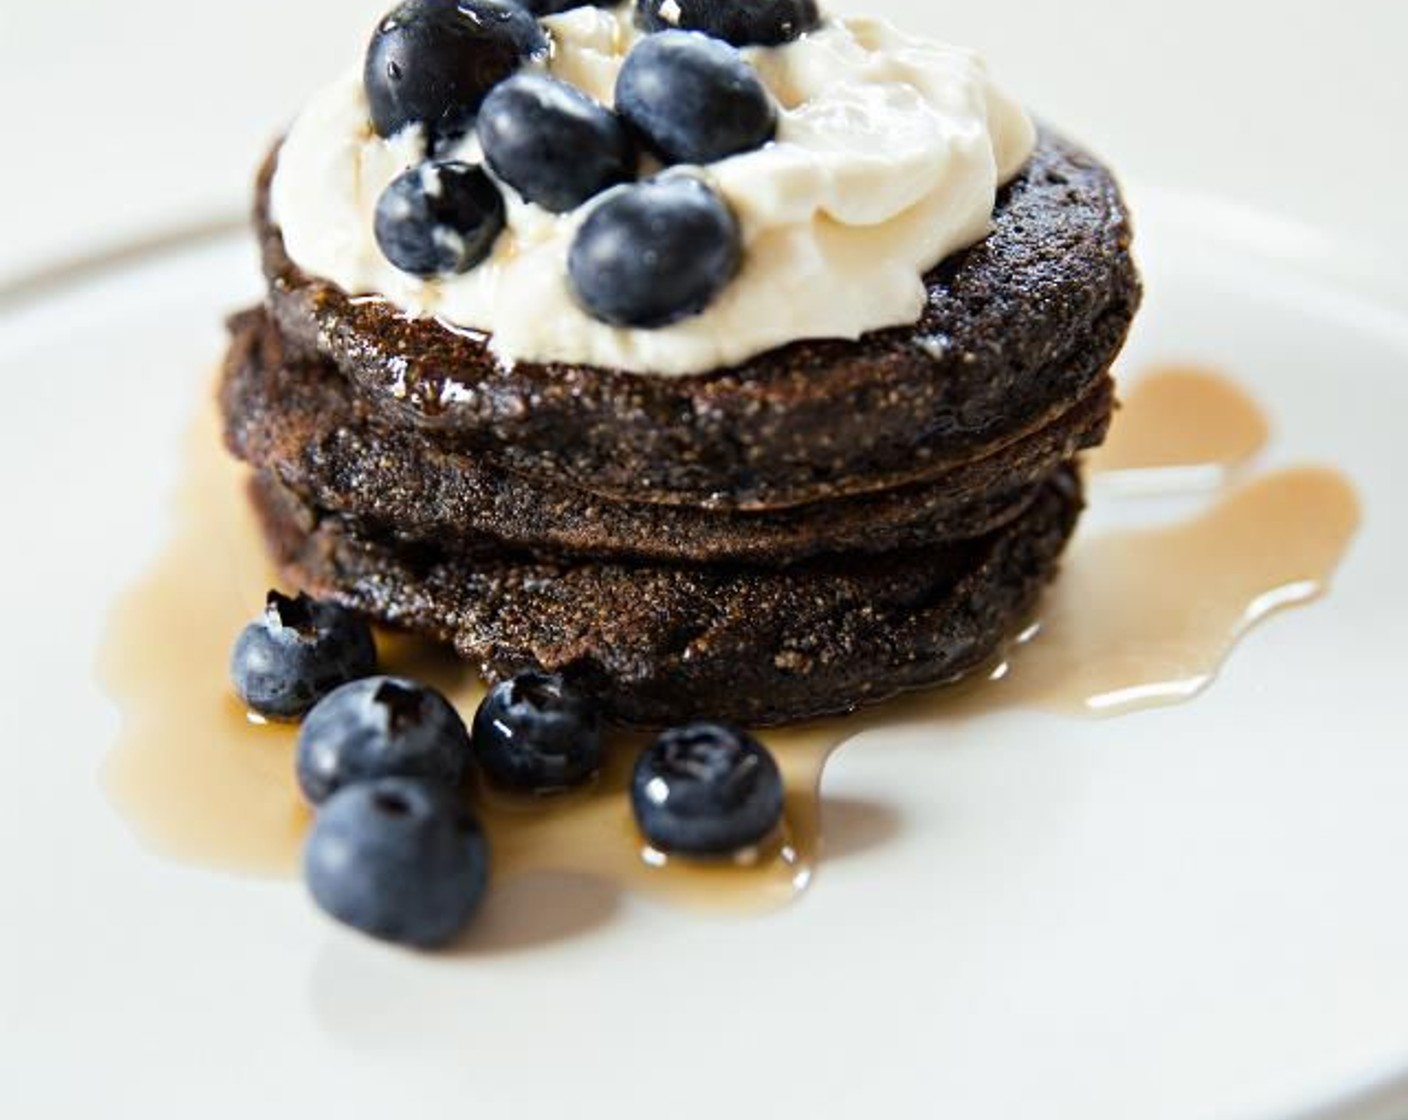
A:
{"x":302,"y":422}
{"x":1017,"y":329}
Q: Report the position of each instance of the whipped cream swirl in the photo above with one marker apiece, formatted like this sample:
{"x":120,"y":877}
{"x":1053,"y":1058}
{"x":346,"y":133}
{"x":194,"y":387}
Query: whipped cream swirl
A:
{"x":889,"y":154}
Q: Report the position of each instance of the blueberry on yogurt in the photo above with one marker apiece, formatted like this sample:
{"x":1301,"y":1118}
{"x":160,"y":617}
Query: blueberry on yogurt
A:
{"x":694,"y":99}
{"x":380,"y":727}
{"x":765,"y":23}
{"x":297,"y":652}
{"x":400,"y":860}
{"x":552,"y":143}
{"x":706,"y":790}
{"x":553,"y":7}
{"x":439,"y":219}
{"x":654,"y":253}
{"x":432,"y":62}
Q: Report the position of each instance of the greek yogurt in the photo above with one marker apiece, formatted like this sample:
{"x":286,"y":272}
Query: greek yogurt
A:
{"x":889,"y":153}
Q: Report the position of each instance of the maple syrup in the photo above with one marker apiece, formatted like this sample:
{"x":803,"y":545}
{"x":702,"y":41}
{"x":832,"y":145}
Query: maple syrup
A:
{"x":1137,"y":618}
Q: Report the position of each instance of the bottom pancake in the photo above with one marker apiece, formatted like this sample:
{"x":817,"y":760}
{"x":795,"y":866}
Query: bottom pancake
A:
{"x":662,"y":644}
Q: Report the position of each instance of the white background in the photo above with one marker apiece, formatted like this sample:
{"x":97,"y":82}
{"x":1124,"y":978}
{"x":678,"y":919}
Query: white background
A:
{"x":123,"y":116}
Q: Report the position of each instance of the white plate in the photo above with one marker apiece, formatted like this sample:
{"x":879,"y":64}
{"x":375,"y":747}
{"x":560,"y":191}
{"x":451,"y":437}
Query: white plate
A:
{"x":1193,"y":912}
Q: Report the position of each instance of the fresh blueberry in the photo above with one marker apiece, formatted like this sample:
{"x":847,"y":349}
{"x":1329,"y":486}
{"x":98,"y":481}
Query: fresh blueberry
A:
{"x":553,"y":7}
{"x":765,"y":23}
{"x":432,"y":62}
{"x":552,"y":143}
{"x":706,"y":790}
{"x":693,"y":99}
{"x":537,"y":733}
{"x":380,"y":727}
{"x":297,"y":652}
{"x":439,"y":219}
{"x":401,"y":860}
{"x":655,"y":253}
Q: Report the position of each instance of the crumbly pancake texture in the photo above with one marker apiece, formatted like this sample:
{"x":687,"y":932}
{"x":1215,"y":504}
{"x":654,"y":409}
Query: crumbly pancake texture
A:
{"x":1017,"y":329}
{"x":659,"y":644}
{"x":299,"y":419}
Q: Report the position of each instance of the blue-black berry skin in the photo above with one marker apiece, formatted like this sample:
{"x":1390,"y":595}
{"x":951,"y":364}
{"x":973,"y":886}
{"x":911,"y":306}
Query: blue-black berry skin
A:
{"x":744,"y":23}
{"x":432,"y":62}
{"x":694,"y":99}
{"x":297,"y":652}
{"x":706,"y":790}
{"x":400,"y":860}
{"x":380,"y":727}
{"x":552,"y":143}
{"x":439,"y":219}
{"x":536,"y":733}
{"x":553,"y":7}
{"x":654,"y":253}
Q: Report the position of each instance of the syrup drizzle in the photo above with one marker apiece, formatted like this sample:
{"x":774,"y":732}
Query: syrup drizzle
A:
{"x":1138,"y":619}
{"x":1192,"y":423}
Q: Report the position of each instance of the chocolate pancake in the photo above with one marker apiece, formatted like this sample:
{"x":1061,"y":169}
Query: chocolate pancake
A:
{"x":300,"y":420}
{"x":660,"y":644}
{"x":1017,"y":330}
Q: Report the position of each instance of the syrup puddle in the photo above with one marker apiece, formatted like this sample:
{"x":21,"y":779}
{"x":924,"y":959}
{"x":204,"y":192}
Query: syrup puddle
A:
{"x":205,"y":784}
{"x":1145,"y":619}
{"x":1180,"y":428}
{"x":1137,"y":619}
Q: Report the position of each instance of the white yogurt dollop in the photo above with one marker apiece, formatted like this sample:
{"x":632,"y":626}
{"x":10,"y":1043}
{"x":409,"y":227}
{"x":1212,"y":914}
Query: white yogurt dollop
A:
{"x":889,"y":154}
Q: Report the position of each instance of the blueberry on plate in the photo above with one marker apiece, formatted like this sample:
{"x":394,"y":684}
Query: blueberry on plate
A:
{"x":401,"y":860}
{"x":431,"y":62}
{"x":654,"y":253}
{"x":380,"y":727}
{"x":439,"y":219}
{"x":537,"y":733}
{"x":297,"y":652}
{"x":706,"y":790}
{"x":765,"y":23}
{"x":552,"y":143}
{"x":694,"y":99}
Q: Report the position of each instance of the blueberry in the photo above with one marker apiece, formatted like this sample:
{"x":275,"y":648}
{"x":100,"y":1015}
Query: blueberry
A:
{"x":297,"y":652}
{"x":537,"y":733}
{"x":552,"y":7}
{"x":439,"y":219}
{"x":706,"y":790}
{"x":401,"y":860}
{"x":552,"y":143}
{"x":381,"y":727}
{"x":654,"y":253}
{"x":431,"y":62}
{"x":693,"y":99}
{"x":766,"y":23}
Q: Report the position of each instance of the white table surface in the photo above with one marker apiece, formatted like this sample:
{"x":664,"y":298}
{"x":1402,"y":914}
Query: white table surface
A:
{"x":123,"y":118}
{"x":128,"y":119}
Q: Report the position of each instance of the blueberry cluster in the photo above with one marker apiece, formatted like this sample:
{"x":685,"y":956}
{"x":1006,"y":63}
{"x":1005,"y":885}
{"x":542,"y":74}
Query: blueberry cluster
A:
{"x":650,"y":253}
{"x":395,"y":850}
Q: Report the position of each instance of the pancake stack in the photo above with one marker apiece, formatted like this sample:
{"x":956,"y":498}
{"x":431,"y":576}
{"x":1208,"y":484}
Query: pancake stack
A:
{"x":815,"y":529}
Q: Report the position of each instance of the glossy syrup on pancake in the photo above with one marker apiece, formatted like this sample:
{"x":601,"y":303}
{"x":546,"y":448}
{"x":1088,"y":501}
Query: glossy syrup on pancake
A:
{"x":1138,"y":618}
